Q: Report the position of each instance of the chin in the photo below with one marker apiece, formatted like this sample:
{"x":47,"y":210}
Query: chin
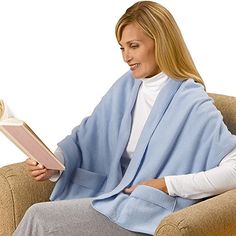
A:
{"x":137,"y":76}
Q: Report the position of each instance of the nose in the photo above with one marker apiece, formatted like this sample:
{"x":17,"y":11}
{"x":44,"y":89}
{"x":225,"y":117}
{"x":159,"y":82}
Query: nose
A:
{"x":127,"y":56}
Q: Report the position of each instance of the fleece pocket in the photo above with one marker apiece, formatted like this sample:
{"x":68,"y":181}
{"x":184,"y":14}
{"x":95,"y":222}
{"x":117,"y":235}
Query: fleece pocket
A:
{"x":88,"y":179}
{"x":145,"y":207}
{"x":154,"y":196}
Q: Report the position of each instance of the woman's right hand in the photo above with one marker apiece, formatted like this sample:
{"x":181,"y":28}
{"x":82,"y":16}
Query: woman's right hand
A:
{"x":38,"y":171}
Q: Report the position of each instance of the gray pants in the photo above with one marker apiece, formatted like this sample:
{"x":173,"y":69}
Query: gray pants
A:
{"x":68,"y":218}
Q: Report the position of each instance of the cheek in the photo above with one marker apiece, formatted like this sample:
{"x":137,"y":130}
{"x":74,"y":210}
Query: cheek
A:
{"x":151,"y":57}
{"x":123,"y":56}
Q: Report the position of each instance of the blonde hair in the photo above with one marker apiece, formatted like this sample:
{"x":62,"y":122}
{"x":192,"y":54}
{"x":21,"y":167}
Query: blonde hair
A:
{"x":171,"y":53}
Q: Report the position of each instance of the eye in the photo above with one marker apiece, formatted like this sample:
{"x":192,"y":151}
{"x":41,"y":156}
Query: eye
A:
{"x":134,"y":46}
{"x":121,"y":48}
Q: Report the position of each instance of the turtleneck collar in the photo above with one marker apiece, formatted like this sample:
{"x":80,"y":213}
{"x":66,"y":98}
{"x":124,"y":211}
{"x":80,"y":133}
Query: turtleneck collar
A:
{"x":155,"y":82}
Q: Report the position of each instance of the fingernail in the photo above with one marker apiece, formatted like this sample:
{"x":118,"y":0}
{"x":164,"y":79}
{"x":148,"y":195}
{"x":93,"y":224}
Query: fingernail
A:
{"x":40,"y":166}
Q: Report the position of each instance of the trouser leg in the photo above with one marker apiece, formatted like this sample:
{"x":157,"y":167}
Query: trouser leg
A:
{"x":68,"y":218}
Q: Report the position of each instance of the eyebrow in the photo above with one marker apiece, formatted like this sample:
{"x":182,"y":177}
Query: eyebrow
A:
{"x":131,"y":41}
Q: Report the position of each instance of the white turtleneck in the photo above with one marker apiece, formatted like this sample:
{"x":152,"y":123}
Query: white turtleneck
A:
{"x":147,"y":94}
{"x":193,"y":186}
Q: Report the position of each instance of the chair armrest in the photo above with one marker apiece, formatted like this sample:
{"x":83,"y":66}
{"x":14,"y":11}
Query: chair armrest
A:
{"x":18,"y":192}
{"x":214,"y":216}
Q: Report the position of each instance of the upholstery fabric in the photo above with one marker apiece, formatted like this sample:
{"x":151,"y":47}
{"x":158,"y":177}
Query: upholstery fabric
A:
{"x":215,"y":216}
{"x":18,"y":192}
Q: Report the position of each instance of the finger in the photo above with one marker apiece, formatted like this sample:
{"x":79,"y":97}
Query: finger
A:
{"x":37,"y":167}
{"x":40,"y":166}
{"x":41,"y":177}
{"x":31,"y":162}
{"x":36,"y":173}
{"x":33,"y":168}
{"x":44,"y":176}
{"x":129,"y":190}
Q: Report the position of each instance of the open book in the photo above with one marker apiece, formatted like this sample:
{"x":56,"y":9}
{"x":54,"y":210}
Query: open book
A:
{"x":25,"y":139}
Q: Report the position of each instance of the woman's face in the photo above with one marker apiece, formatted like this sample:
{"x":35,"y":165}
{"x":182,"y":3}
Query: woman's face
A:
{"x":138,"y":51}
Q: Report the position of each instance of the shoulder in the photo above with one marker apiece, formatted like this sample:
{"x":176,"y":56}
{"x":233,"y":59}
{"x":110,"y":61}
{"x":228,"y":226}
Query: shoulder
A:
{"x":123,"y":85}
{"x":120,"y":92}
{"x":193,"y":95}
{"x":192,"y":88}
{"x":193,"y":91}
{"x":126,"y":80}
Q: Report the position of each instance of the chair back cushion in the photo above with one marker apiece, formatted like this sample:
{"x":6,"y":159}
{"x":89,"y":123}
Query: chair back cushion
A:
{"x":227,"y":106}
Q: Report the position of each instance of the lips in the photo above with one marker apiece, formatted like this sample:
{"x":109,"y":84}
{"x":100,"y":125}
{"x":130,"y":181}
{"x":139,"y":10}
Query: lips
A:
{"x":134,"y":66}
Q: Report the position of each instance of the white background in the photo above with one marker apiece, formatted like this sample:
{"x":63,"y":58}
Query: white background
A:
{"x":58,"y":58}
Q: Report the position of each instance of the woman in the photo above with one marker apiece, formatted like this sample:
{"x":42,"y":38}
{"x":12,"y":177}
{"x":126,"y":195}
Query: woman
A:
{"x":153,"y":145}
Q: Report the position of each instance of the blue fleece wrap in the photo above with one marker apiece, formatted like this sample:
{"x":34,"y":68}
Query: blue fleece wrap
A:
{"x":184,"y":133}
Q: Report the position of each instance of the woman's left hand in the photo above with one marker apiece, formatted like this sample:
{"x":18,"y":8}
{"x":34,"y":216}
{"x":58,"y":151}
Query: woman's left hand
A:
{"x":155,"y":183}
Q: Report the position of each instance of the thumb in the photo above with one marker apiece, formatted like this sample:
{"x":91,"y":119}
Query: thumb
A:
{"x":129,"y":190}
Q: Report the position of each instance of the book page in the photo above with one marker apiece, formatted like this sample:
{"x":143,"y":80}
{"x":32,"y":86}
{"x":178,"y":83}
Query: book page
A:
{"x":2,"y":109}
{"x":5,"y":111}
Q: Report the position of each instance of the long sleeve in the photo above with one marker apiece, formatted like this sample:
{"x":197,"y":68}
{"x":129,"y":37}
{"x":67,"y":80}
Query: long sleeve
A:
{"x":205,"y":183}
{"x":59,"y":155}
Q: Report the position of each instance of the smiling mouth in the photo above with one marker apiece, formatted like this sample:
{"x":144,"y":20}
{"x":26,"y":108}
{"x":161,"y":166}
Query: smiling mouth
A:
{"x":134,"y":66}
